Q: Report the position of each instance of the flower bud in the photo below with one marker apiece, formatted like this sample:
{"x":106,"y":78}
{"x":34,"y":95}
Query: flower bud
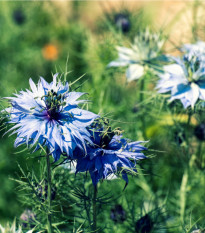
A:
{"x":144,"y":225}
{"x":19,"y":17}
{"x":122,"y":22}
{"x":118,"y":214}
{"x":200,"y":132}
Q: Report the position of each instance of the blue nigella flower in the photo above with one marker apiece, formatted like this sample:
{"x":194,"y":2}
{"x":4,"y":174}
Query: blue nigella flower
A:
{"x":145,"y":52}
{"x":196,"y":49}
{"x":109,"y":154}
{"x":185,"y":80}
{"x":49,"y":115}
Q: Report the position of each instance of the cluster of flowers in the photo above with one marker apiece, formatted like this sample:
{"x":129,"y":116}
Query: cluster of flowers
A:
{"x":49,"y":116}
{"x":184,"y":78}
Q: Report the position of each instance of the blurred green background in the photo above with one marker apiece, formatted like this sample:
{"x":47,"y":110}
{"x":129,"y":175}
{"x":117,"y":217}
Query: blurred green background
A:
{"x":42,"y":38}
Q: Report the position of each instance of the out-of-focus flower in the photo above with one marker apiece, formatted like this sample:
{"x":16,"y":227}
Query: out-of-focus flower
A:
{"x":12,"y":229}
{"x":50,"y":52}
{"x":144,"y":52}
{"x":185,"y":80}
{"x":118,"y":214}
{"x":28,"y":218}
{"x":109,"y":154}
{"x":198,"y":231}
{"x":49,"y":116}
{"x":144,"y":224}
{"x":152,"y":219}
{"x":122,"y":22}
{"x":19,"y":17}
{"x":200,"y":132}
{"x":197,"y":49}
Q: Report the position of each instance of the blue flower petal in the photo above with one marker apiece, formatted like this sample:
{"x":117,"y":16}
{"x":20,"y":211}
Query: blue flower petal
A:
{"x":116,"y":157}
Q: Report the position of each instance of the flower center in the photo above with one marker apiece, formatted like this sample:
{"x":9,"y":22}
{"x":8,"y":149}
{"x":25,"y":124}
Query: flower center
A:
{"x":54,"y":103}
{"x":106,"y":137}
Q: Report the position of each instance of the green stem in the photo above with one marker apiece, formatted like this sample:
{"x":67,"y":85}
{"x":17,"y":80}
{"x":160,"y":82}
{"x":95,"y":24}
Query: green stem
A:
{"x":49,"y":222}
{"x":189,"y":119}
{"x":195,"y":24}
{"x":75,"y":10}
{"x":200,"y":155}
{"x":141,"y":99}
{"x":183,"y":196}
{"x":87,"y":213}
{"x":95,"y":210}
{"x":187,"y":128}
{"x":141,"y":89}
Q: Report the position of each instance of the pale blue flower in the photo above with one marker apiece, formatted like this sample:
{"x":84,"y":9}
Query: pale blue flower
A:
{"x":185,"y":80}
{"x":144,"y":52}
{"x":13,"y":228}
{"x":197,"y":49}
{"x":48,"y":115}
